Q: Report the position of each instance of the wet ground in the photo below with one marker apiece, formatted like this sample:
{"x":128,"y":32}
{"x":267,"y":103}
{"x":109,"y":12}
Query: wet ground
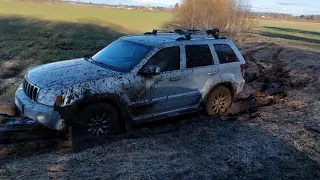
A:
{"x":270,"y":131}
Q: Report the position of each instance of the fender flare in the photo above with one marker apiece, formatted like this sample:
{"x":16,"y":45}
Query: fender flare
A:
{"x":226,"y":80}
{"x":69,"y":112}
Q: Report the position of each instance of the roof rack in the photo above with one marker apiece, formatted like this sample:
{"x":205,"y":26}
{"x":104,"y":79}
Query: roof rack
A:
{"x":187,"y":32}
{"x":157,"y":31}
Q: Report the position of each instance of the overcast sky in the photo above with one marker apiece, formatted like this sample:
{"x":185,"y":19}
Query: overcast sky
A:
{"x":296,"y":7}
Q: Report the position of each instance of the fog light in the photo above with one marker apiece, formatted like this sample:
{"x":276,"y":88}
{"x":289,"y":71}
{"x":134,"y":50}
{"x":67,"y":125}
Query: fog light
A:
{"x":40,"y":118}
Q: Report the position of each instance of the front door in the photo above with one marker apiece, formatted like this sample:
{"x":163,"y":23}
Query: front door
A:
{"x":164,"y":88}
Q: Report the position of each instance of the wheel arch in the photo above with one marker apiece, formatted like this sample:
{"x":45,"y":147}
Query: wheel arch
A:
{"x":116,"y":101}
{"x":230,"y":86}
{"x":226,"y":84}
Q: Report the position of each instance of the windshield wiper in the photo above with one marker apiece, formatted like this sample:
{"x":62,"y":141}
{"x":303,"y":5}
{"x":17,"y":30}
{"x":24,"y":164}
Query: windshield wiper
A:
{"x":100,"y":63}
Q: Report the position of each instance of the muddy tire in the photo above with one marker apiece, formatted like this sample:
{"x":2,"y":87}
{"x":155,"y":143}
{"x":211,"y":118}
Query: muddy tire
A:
{"x":218,"y":100}
{"x":98,"y":119}
{"x":93,"y":121}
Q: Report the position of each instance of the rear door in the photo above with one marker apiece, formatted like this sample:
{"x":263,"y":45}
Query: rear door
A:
{"x":199,"y":68}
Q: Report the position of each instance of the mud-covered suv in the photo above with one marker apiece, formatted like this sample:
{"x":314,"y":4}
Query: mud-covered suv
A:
{"x":139,"y":77}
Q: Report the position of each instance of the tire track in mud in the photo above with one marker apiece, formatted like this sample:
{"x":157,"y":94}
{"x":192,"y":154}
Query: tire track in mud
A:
{"x":249,"y":56}
{"x":279,"y":75}
{"x":275,"y":59}
{"x":276,"y":55}
{"x":279,"y":65}
{"x":270,"y":79}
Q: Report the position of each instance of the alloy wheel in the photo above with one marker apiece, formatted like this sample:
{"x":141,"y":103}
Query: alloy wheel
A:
{"x":219,"y":103}
{"x":99,"y":124}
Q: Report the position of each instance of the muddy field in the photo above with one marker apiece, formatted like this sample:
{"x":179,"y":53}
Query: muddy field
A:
{"x":271,"y":131}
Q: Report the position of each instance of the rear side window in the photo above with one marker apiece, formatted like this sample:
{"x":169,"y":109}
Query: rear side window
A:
{"x":168,"y":59}
{"x":225,"y":54}
{"x":198,"y":55}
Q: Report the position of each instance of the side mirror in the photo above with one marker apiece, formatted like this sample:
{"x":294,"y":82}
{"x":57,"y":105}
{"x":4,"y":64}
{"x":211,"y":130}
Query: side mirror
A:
{"x":150,"y":70}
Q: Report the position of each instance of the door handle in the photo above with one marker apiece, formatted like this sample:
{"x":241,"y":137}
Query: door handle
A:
{"x":212,"y":73}
{"x":175,"y":79}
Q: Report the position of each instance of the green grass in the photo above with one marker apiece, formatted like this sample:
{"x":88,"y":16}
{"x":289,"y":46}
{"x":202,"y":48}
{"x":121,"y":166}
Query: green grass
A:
{"x":306,"y":33}
{"x":126,"y":21}
{"x":36,"y":33}
{"x":29,"y":42}
{"x":134,"y":21}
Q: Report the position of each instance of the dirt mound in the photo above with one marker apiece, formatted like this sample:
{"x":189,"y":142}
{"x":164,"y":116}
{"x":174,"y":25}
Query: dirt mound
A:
{"x":8,"y":109}
{"x":265,"y":80}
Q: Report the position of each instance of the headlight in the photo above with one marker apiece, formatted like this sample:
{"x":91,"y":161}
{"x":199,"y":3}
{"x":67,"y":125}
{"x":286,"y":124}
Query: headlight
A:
{"x":47,"y":97}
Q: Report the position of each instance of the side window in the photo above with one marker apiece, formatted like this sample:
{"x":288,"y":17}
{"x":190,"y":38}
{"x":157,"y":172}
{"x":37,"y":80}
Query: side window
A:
{"x":168,"y":59}
{"x":198,"y":55}
{"x":225,"y":53}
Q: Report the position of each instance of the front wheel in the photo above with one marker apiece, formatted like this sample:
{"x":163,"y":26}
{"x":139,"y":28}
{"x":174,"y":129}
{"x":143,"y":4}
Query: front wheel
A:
{"x":93,"y":121}
{"x":218,"y":100}
{"x":98,"y":119}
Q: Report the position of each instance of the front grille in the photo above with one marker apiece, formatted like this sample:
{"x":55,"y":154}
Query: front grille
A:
{"x":30,"y":90}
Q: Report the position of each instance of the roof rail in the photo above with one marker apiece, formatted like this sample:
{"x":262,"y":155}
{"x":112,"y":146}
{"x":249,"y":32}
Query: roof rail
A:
{"x":157,"y":31}
{"x":187,"y":32}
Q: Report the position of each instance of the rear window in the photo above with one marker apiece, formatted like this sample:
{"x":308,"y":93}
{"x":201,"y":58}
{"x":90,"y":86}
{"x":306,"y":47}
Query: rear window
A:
{"x":225,"y":54}
{"x":198,"y":55}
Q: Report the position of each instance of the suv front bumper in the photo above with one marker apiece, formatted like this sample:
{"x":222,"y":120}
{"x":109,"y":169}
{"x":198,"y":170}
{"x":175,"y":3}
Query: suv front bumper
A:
{"x":43,"y":114}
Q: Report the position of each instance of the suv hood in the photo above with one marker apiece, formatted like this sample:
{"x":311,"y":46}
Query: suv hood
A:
{"x":66,"y":73}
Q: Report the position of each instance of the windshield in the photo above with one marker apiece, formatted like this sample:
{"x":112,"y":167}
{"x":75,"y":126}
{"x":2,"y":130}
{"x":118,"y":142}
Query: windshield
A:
{"x":121,"y":55}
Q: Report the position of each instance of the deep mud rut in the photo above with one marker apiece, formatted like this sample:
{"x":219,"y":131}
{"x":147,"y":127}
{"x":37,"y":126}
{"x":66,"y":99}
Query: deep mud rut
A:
{"x":271,"y":130}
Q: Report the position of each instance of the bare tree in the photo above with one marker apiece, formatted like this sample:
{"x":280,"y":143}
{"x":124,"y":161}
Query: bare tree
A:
{"x":231,"y":16}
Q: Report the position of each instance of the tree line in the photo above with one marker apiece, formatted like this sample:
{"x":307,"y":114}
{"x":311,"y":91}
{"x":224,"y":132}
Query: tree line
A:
{"x":231,"y":16}
{"x":286,"y":16}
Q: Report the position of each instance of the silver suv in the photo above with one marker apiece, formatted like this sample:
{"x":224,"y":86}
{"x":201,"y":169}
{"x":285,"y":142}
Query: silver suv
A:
{"x":135,"y":78}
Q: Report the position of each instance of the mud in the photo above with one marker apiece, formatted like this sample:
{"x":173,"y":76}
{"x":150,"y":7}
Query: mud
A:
{"x":281,"y":97}
{"x":15,"y":130}
{"x":8,"y":109}
{"x":265,"y":86}
{"x":264,"y":80}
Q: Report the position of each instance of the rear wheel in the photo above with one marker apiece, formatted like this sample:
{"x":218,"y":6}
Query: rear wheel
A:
{"x":218,"y":100}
